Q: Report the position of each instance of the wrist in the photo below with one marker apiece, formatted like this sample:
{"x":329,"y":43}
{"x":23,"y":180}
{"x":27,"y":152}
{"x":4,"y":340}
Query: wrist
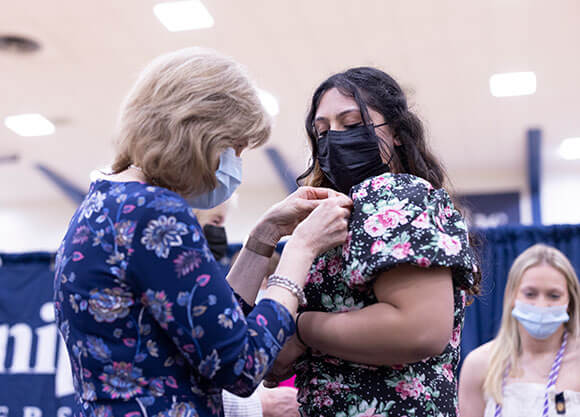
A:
{"x":298,"y":243}
{"x":298,"y":333}
{"x":266,"y":232}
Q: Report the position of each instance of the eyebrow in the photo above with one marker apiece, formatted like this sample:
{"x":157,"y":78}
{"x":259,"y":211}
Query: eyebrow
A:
{"x":342,"y":113}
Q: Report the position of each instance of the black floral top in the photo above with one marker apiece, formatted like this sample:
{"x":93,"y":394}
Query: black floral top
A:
{"x":397,"y":219}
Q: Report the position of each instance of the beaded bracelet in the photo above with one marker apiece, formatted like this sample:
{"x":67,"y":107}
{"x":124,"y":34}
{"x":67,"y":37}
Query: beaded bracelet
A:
{"x":283,"y":282}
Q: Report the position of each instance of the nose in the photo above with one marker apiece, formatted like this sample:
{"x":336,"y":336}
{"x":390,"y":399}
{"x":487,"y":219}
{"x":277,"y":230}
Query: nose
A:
{"x":544,"y":301}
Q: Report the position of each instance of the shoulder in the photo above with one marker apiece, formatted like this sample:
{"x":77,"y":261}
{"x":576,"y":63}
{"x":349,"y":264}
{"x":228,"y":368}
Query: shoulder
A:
{"x":158,"y":218}
{"x":389,"y":185}
{"x":476,"y":363}
{"x":150,"y":202}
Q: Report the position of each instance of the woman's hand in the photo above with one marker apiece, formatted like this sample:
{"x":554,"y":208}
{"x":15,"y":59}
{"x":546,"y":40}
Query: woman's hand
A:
{"x":282,"y":218}
{"x":282,"y":369}
{"x":326,"y":226}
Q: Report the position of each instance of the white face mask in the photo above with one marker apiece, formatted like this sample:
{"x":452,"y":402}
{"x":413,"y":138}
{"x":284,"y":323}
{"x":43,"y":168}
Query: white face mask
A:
{"x":540,"y":322}
{"x":229,"y":176}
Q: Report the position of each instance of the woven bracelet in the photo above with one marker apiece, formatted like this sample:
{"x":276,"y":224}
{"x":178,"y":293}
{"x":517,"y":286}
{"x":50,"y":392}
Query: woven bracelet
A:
{"x":261,"y":248}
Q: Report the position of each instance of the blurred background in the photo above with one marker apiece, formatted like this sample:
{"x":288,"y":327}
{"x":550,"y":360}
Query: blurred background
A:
{"x":507,"y":143}
{"x":496,"y":83}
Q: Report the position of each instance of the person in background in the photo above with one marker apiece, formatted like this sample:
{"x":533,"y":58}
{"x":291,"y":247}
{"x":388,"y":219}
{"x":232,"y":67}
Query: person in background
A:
{"x":151,"y":326}
{"x":532,"y":367}
{"x":380,"y":333}
{"x":212,"y":222}
{"x":274,"y":402}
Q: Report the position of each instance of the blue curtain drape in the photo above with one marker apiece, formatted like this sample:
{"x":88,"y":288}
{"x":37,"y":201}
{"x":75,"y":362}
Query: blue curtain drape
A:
{"x":499,"y":249}
{"x":26,"y":286}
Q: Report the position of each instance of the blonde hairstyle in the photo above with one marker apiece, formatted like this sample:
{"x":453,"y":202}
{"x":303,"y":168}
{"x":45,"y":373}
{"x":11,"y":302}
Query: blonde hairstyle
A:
{"x":184,"y":110}
{"x":506,"y":347}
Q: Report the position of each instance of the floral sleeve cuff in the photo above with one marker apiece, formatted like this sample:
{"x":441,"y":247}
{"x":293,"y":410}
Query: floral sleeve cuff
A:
{"x":275,"y":319}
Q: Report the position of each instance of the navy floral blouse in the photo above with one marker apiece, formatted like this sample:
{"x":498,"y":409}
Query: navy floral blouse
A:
{"x":151,"y":326}
{"x":396,"y":219}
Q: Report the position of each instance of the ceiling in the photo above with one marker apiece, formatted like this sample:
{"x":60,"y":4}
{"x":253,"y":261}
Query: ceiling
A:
{"x":443,"y":54}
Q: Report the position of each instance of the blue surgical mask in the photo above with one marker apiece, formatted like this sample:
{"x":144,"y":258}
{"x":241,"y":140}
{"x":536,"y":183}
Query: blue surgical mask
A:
{"x":229,"y":176}
{"x":540,"y":322}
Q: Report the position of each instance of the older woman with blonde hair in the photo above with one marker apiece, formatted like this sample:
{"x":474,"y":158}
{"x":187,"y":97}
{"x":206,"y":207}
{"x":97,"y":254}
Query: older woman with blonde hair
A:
{"x":151,"y":326}
{"x":531,"y":368}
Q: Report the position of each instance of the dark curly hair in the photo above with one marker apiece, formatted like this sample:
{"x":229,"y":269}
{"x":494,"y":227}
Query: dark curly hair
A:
{"x":375,"y":89}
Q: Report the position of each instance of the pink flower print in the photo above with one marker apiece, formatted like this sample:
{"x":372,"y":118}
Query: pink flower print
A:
{"x":361,"y":193}
{"x":456,"y":337}
{"x":401,"y":250}
{"x":356,"y":277}
{"x":314,"y":278}
{"x":320,"y":265}
{"x":417,"y":388}
{"x":327,"y":402}
{"x":379,"y":182}
{"x":334,"y":266}
{"x":374,"y":227}
{"x":422,"y":221}
{"x":346,"y":246}
{"x":423,"y":262}
{"x":378,"y":246}
{"x":392,"y":218}
{"x":451,"y":245}
{"x":369,"y":412}
{"x":447,"y":211}
{"x":403,"y":390}
{"x":448,"y":371}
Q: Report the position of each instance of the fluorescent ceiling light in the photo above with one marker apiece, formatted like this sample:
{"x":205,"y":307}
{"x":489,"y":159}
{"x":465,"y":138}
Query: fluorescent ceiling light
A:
{"x":32,"y":124}
{"x":269,"y":102}
{"x":183,"y":15}
{"x":570,"y":148}
{"x":512,"y":84}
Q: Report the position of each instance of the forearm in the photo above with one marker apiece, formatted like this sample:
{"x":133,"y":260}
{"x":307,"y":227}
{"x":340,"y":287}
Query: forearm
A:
{"x":294,"y":264}
{"x":380,"y":334}
{"x":247,"y":274}
{"x":249,"y":270}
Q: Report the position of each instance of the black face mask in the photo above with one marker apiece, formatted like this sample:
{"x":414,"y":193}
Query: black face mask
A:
{"x":216,"y":240}
{"x":351,"y":156}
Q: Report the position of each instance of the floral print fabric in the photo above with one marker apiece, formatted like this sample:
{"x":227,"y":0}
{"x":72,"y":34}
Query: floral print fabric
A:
{"x":396,"y":219}
{"x":151,"y":325}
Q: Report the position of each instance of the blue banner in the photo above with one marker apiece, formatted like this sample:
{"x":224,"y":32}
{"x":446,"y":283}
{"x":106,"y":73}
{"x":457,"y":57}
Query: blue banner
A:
{"x":35,"y":375}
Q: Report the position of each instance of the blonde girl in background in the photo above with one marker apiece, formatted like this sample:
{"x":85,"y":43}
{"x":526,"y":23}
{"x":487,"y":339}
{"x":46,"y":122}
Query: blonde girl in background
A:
{"x":532,"y":367}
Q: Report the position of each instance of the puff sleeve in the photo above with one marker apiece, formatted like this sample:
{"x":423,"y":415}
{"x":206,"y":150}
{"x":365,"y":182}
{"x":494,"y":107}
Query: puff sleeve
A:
{"x":402,"y":219}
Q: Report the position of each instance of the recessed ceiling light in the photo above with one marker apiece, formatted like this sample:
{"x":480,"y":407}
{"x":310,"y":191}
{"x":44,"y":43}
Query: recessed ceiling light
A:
{"x":183,"y":15}
{"x":32,"y":124}
{"x":570,"y":148}
{"x":511,"y":84}
{"x":269,"y":102}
